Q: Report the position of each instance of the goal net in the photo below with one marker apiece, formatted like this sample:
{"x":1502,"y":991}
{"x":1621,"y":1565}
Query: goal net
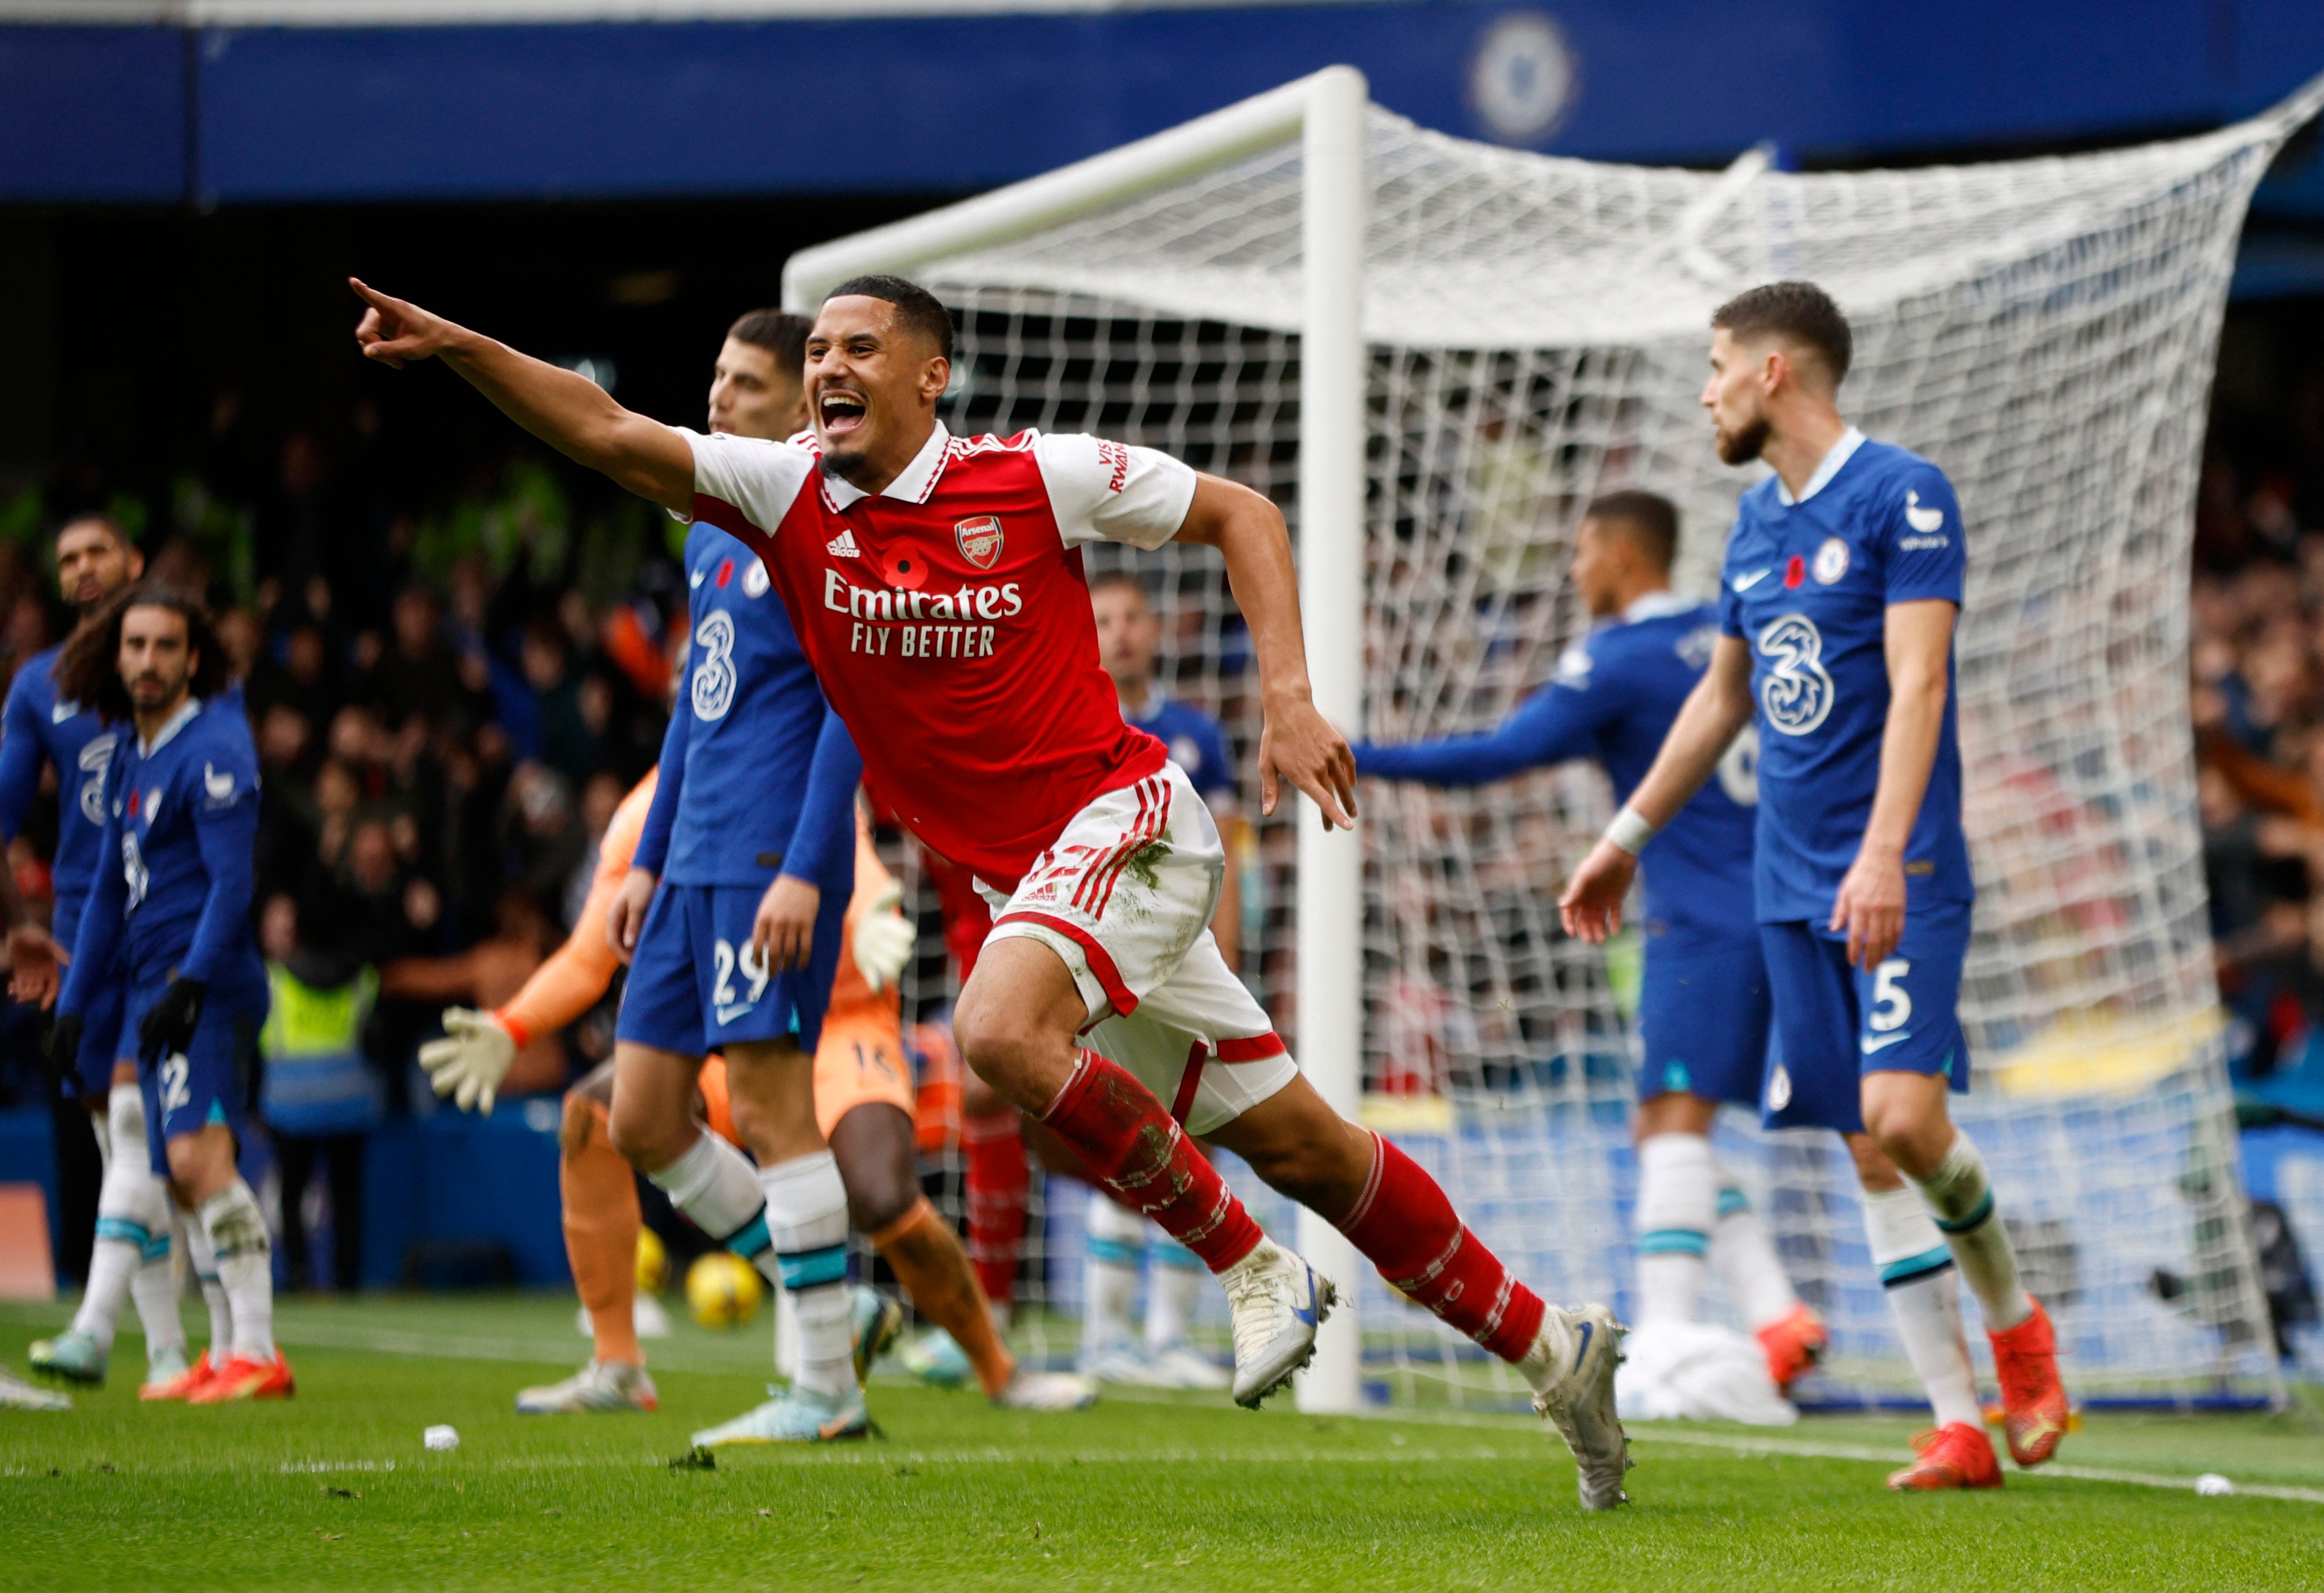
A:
{"x":2044,"y":330}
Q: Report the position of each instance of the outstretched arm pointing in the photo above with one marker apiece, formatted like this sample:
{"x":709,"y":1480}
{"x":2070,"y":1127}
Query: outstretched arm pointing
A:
{"x":570,"y":412}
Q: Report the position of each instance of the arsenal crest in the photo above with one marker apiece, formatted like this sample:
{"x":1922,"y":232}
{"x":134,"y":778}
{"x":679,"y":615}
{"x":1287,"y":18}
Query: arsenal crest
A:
{"x":979,"y":539}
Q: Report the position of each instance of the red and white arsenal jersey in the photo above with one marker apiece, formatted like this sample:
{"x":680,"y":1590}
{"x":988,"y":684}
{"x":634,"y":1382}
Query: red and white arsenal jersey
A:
{"x":948,"y":619}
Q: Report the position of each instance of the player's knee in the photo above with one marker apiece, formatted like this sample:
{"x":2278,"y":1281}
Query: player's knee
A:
{"x":872,"y":1144}
{"x":1908,"y":1137}
{"x":200,"y":1165}
{"x":998,"y":1044}
{"x":583,"y":1113}
{"x":641,"y":1138}
{"x":879,"y":1199}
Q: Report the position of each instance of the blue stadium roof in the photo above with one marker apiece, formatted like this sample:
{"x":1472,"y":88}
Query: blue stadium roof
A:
{"x":257,"y":101}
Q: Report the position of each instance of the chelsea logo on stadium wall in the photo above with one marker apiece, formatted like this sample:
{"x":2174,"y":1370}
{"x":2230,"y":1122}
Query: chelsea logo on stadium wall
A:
{"x":1830,"y":560}
{"x":1521,"y":78}
{"x":979,"y":540}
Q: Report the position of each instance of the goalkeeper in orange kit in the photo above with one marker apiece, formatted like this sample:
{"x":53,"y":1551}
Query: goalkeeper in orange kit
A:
{"x":861,"y":1081}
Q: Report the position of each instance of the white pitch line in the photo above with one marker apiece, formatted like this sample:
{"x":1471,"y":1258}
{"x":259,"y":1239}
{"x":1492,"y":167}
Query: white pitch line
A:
{"x":1741,"y":1445}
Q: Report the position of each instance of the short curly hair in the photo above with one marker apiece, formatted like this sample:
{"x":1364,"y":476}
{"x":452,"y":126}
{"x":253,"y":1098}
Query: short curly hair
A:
{"x":1798,"y":312}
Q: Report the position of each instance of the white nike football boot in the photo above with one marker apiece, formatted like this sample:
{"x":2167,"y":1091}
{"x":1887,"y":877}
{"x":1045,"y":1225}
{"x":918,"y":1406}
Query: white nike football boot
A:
{"x":601,"y":1386}
{"x":1572,"y":1369}
{"x":17,"y":1394}
{"x":1029,"y":1390}
{"x":1278,"y":1302}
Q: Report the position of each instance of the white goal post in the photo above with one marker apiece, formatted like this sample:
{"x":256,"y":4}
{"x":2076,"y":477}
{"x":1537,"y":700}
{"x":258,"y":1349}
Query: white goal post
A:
{"x":1434,"y":353}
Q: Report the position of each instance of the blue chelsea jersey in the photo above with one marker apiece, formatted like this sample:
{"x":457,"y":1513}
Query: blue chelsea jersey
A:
{"x":749,"y":714}
{"x":183,"y":815}
{"x":1612,"y":698}
{"x":1807,"y":586}
{"x":39,"y":729}
{"x":1196,"y":742}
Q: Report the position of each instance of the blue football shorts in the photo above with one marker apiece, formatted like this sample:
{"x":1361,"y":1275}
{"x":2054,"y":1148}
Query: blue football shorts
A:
{"x":695,"y":986}
{"x":1702,"y":1016}
{"x":1836,"y":1023}
{"x":209,"y":1082}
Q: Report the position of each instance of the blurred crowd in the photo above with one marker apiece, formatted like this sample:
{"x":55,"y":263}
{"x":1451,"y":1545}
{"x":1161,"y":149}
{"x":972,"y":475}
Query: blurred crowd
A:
{"x":2256,"y":652}
{"x":447,"y":706}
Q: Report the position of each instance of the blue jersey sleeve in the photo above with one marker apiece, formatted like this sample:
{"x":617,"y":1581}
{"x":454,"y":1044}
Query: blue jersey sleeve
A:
{"x":826,"y":820}
{"x":1925,"y":552}
{"x":1556,"y":724}
{"x":1218,"y":761}
{"x":21,"y":756}
{"x":225,"y":830}
{"x":652,"y":849}
{"x":99,"y":938}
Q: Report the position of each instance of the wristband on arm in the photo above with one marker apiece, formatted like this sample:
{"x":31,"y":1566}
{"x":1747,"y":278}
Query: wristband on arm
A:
{"x":1630,"y":830}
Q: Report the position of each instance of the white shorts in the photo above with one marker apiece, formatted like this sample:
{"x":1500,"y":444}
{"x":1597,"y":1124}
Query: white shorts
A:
{"x":1124,"y":897}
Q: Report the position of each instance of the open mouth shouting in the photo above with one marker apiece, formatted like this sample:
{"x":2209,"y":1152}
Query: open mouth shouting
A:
{"x":840,"y":411}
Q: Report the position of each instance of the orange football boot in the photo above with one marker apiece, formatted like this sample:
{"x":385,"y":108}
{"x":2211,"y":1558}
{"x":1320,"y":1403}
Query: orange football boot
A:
{"x":243,"y":1378}
{"x":1794,"y":1343}
{"x":1955,"y":1455}
{"x":2033,"y":1413}
{"x":183,"y":1384}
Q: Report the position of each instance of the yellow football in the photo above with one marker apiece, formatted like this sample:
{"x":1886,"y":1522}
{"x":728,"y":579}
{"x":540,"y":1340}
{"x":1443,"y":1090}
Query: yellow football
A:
{"x":653,"y":1263}
{"x":723,"y":1290}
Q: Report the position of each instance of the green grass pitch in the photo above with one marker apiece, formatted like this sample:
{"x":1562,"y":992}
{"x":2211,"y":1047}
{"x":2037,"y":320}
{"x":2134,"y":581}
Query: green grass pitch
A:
{"x":333,"y":1489}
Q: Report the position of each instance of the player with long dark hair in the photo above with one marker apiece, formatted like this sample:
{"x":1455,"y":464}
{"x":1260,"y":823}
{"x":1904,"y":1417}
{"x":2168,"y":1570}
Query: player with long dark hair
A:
{"x":171,"y":898}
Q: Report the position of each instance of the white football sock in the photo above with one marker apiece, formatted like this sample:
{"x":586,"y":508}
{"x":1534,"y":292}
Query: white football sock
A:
{"x":717,"y":1188}
{"x":154,"y":1288}
{"x":245,"y":1267}
{"x":100,"y":1124}
{"x":154,"y":1285}
{"x":1171,"y":1291}
{"x":1959,"y":1195}
{"x":1743,"y":1257}
{"x":1678,"y":1196}
{"x":205,"y":1274}
{"x":112,"y":1263}
{"x":1114,"y":1260}
{"x":1924,"y":1292}
{"x":806,"y":1230}
{"x":132,"y":1217}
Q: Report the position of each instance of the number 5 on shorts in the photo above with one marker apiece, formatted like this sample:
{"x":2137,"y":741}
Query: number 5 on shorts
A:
{"x":1891,"y":1006}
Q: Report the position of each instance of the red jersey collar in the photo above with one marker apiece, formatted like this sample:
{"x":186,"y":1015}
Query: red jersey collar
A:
{"x":913,"y":485}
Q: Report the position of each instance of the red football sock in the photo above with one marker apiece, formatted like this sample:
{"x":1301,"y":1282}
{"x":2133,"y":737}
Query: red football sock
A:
{"x":1406,"y":1225}
{"x":998,"y":1184}
{"x":1131,"y":1142}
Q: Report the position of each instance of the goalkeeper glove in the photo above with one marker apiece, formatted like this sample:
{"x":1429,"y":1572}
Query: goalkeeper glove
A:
{"x":884,"y":939}
{"x":169,"y":1025}
{"x":473,"y":1058}
{"x":63,"y":1048}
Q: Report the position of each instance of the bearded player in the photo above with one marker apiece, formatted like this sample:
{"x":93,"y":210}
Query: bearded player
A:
{"x":1702,"y":1005}
{"x":130,"y":1259}
{"x":937,"y":584}
{"x":1842,"y":582}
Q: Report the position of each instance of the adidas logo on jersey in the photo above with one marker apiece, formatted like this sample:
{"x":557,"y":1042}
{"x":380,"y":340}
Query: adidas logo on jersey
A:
{"x":844,"y":546}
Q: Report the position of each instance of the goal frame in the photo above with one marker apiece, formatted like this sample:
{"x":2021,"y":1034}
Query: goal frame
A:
{"x":1326,"y":111}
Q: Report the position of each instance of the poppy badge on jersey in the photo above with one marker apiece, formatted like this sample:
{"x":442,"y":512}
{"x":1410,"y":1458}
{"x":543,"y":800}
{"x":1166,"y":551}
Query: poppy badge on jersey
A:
{"x":979,"y":540}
